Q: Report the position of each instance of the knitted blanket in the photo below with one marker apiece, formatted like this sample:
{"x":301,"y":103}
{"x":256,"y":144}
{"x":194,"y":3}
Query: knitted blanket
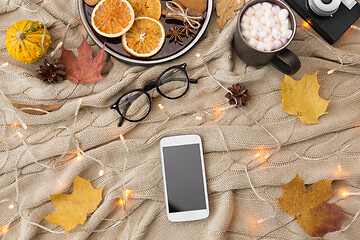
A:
{"x":231,"y":136}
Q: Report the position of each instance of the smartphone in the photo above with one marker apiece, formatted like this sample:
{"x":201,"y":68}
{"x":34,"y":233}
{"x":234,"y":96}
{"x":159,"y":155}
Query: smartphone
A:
{"x":184,"y":178}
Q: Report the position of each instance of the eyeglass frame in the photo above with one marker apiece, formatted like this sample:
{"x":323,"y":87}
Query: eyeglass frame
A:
{"x":149,"y":86}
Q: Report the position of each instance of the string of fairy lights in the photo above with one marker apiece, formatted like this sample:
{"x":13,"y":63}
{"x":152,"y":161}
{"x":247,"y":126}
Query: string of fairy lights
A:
{"x":214,"y":113}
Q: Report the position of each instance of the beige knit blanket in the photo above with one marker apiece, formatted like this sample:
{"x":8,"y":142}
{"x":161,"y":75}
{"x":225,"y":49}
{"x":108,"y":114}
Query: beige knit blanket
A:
{"x":234,"y":207}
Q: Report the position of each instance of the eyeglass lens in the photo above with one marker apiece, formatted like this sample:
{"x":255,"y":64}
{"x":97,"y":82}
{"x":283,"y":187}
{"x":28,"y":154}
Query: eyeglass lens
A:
{"x":134,"y":105}
{"x":173,"y":83}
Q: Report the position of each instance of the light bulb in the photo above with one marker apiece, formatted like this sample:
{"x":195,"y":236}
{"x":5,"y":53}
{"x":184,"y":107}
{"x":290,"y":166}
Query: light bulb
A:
{"x":331,"y":71}
{"x":260,"y":221}
{"x":344,"y":193}
{"x":4,"y":65}
{"x":4,"y":229}
{"x":101,"y":172}
{"x":127,"y":192}
{"x":161,"y":107}
{"x":79,"y":156}
{"x":305,"y":24}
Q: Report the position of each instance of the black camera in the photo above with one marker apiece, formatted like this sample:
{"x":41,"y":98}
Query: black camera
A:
{"x":329,"y":18}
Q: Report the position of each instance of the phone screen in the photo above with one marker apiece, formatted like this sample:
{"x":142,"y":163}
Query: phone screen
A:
{"x":184,"y":178}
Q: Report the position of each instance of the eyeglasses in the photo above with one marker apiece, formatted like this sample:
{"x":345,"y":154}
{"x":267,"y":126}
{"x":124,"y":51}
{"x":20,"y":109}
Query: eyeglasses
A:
{"x":135,"y":105}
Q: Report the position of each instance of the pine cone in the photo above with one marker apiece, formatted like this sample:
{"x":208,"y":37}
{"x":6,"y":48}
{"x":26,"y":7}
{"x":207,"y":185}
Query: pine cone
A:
{"x":51,"y":72}
{"x":240,"y":93}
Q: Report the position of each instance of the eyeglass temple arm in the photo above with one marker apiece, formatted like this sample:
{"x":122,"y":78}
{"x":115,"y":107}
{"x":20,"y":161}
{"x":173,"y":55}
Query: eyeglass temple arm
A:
{"x":121,"y":120}
{"x":181,"y":79}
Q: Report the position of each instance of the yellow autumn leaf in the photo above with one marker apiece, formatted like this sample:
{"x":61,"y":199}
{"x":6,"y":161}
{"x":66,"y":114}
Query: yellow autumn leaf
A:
{"x":301,"y":98}
{"x":72,"y":209}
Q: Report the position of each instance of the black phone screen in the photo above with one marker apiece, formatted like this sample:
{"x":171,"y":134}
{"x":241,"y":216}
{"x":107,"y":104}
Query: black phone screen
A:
{"x":184,"y":178}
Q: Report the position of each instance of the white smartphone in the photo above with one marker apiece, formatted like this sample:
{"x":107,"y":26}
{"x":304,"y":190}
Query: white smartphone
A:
{"x":184,"y":178}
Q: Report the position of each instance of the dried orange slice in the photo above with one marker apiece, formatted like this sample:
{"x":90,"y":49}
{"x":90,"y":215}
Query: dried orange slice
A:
{"x":147,"y":8}
{"x":112,"y":18}
{"x":145,"y":38}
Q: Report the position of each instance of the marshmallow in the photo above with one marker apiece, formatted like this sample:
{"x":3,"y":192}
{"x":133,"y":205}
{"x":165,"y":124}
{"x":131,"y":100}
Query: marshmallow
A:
{"x":260,"y":46}
{"x":276,"y":34}
{"x":278,"y":44}
{"x":249,"y":12}
{"x":253,"y":42}
{"x":245,"y":19}
{"x":263,"y":34}
{"x":268,"y":14}
{"x":254,"y":20}
{"x":244,"y":26}
{"x":269,"y":39}
{"x":286,"y":34}
{"x":258,"y":26}
{"x":275,"y":10}
{"x":284,"y":40}
{"x":254,"y":34}
{"x":276,"y":18}
{"x":268,"y":47}
{"x":270,"y":23}
{"x":283,"y":14}
{"x":272,"y":46}
{"x":259,"y":12}
{"x":246,"y":34}
{"x":284,"y":28}
{"x":257,"y":6}
{"x":266,"y":6}
{"x":263,"y":20}
{"x":285,"y":22}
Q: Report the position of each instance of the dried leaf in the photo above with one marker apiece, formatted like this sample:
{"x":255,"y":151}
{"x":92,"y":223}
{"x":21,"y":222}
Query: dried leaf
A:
{"x":83,"y":69}
{"x":309,"y":207}
{"x":301,"y":98}
{"x":72,"y":209}
{"x":226,"y":9}
{"x":48,"y":108}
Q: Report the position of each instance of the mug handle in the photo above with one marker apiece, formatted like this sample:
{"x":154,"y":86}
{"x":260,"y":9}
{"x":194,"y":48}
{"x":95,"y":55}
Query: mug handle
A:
{"x":286,"y":62}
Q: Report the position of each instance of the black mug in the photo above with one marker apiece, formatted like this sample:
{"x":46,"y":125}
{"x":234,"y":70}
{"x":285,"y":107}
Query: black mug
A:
{"x":282,"y":58}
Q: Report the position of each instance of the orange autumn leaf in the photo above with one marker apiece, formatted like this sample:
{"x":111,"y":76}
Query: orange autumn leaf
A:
{"x":308,"y":206}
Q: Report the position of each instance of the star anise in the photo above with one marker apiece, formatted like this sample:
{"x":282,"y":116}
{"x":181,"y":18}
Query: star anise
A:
{"x":239,"y":95}
{"x":187,"y":30}
{"x":175,"y":35}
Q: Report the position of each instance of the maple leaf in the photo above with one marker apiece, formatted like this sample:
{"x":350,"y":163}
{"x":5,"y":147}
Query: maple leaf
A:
{"x":226,"y":9}
{"x":309,"y":207}
{"x":301,"y":98}
{"x":72,"y":209}
{"x":83,"y":69}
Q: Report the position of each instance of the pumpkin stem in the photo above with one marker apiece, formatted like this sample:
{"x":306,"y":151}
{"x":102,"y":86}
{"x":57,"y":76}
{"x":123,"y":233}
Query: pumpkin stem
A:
{"x":20,"y":35}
